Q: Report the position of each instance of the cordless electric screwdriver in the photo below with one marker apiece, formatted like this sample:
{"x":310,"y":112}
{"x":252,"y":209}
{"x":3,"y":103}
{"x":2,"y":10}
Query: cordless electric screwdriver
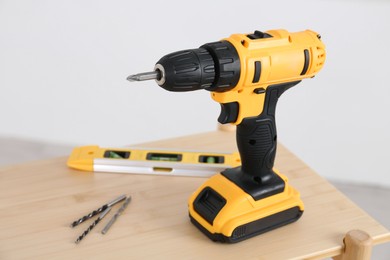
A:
{"x":246,"y":74}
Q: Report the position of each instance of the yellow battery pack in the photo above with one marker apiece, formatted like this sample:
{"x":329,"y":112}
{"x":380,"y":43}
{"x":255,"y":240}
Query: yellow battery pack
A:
{"x":226,"y":213}
{"x":151,"y":161}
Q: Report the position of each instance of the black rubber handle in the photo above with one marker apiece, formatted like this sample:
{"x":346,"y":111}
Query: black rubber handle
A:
{"x":257,"y":138}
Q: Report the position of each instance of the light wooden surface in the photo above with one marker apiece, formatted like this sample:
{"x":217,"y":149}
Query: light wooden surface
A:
{"x":39,"y":200}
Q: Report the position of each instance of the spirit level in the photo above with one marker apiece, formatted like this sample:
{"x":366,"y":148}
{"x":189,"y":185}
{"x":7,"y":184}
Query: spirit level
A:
{"x":157,"y":162}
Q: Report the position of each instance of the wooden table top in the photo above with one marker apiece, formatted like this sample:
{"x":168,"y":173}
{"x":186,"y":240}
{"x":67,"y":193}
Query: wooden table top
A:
{"x":39,"y":200}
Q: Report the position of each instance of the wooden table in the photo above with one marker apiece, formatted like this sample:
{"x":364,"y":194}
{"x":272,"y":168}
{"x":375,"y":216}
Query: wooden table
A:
{"x":39,"y":200}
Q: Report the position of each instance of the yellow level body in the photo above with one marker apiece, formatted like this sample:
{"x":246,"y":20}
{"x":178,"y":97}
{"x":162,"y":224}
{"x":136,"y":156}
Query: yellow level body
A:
{"x":151,"y":161}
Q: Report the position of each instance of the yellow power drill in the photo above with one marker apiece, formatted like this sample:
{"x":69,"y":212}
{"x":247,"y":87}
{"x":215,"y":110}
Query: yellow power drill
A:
{"x":246,"y":74}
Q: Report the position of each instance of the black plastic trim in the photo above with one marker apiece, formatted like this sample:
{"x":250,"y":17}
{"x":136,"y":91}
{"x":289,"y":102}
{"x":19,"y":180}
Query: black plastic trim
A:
{"x":259,"y":35}
{"x":226,"y":63}
{"x":307,"y":61}
{"x":229,"y":112}
{"x":259,"y":91}
{"x":256,"y":76}
{"x":253,"y":185}
{"x":255,"y":228}
{"x":208,"y":203}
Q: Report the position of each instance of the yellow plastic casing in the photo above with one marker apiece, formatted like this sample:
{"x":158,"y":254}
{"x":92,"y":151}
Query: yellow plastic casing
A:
{"x":82,"y":158}
{"x":240,"y":207}
{"x":285,"y":57}
{"x":282,"y":60}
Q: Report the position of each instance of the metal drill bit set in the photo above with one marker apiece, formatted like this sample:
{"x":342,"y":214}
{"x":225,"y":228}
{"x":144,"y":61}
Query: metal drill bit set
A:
{"x":103,"y":211}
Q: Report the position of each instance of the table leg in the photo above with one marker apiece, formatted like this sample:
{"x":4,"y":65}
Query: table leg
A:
{"x":357,"y":246}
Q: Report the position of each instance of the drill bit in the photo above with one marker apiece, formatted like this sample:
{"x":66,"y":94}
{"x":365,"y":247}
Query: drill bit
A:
{"x":99,"y":210}
{"x":101,"y":216}
{"x":117,"y":214}
{"x":145,"y":76}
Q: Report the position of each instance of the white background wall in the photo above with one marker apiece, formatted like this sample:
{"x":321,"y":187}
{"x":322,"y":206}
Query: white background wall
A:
{"x":63,"y":66}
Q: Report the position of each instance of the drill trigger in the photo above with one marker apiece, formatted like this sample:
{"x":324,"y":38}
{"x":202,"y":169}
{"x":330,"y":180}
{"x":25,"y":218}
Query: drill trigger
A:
{"x":229,"y":113}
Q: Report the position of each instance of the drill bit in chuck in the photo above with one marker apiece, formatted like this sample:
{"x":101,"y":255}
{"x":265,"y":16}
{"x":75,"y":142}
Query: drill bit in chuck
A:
{"x":145,"y":76}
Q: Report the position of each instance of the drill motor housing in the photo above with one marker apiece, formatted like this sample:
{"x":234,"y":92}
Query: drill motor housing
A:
{"x":241,"y":67}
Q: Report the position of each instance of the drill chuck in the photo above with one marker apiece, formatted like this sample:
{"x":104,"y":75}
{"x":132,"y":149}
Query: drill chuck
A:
{"x":213,"y":66}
